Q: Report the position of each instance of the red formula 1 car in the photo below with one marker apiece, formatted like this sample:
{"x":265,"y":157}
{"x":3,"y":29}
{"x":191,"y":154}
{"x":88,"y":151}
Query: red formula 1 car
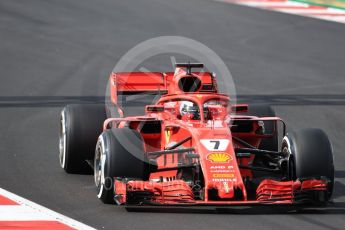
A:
{"x":192,"y":146}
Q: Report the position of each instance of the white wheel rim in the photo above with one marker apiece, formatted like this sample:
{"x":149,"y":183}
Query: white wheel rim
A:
{"x":286,"y":139}
{"x":62,"y":140}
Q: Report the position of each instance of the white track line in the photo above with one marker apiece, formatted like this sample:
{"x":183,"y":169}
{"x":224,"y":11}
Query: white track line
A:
{"x":20,"y":213}
{"x":28,"y":210}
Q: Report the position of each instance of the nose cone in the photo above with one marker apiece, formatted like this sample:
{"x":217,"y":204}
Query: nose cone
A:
{"x":223,"y":179}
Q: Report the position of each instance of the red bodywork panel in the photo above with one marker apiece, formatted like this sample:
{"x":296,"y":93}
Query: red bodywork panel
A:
{"x":212,"y":136}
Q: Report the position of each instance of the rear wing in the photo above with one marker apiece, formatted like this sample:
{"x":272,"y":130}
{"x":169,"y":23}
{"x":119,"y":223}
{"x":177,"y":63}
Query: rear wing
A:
{"x":130,"y":92}
{"x":137,"y":83}
{"x":145,"y":88}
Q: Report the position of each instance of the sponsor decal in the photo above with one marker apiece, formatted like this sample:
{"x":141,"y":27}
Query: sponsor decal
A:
{"x":215,"y":144}
{"x":219,"y":157}
{"x":167,"y":133}
{"x":223,"y":179}
{"x":217,"y":167}
{"x":223,"y":175}
{"x":226,"y":187}
{"x":222,"y":171}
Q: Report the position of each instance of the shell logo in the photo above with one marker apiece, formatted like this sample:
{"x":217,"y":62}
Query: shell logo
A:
{"x":219,"y":157}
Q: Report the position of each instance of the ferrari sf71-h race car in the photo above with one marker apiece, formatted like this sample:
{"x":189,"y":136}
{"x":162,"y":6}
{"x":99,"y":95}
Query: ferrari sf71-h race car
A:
{"x":192,"y":146}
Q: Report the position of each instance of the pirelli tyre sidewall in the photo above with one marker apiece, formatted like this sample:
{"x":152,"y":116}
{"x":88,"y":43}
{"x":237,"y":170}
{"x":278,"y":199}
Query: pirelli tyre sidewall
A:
{"x":311,"y":156}
{"x":113,"y":160}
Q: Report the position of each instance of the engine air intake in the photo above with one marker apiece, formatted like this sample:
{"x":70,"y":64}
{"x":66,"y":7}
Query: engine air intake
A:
{"x":189,"y":84}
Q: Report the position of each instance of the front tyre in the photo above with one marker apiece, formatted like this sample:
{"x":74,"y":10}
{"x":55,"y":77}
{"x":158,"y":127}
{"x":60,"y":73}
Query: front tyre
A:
{"x":311,"y":156}
{"x":119,"y":153}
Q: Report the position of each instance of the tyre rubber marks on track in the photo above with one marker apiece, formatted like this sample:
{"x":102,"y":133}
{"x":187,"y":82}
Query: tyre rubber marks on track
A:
{"x":291,"y":7}
{"x":19,"y":213}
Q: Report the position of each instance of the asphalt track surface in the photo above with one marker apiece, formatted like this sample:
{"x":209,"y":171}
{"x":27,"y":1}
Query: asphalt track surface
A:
{"x":56,"y":52}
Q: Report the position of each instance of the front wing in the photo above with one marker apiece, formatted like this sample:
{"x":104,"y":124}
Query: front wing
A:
{"x":178,"y":192}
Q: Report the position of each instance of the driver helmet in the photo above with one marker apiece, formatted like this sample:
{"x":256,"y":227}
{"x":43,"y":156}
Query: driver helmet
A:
{"x":188,"y":107}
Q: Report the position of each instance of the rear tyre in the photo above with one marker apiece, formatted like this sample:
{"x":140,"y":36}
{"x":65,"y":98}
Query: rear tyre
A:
{"x":119,"y":153}
{"x":311,"y":156}
{"x":80,"y":126}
